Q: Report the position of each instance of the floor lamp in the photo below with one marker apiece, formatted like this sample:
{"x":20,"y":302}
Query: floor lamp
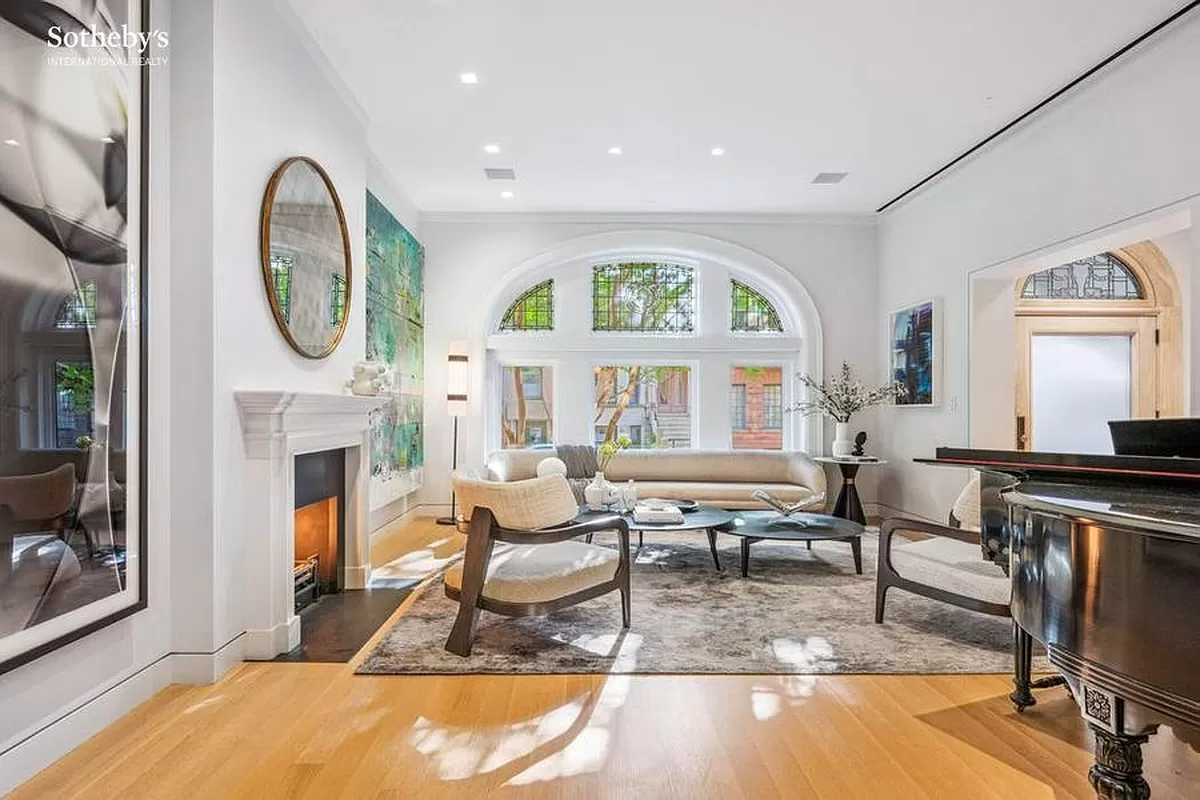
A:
{"x":457,"y":374}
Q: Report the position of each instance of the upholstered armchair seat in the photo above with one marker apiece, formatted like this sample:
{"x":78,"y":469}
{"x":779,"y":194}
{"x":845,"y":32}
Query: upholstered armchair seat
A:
{"x":542,"y":573}
{"x":523,"y":557}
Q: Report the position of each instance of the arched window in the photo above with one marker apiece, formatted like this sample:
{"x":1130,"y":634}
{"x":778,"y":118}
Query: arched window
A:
{"x":643,"y":298}
{"x":78,"y":312}
{"x":532,"y":311}
{"x":650,"y":345}
{"x":751,"y":312}
{"x":1099,"y":277}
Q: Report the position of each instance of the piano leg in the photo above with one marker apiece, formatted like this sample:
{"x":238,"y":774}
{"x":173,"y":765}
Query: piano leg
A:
{"x":1023,"y":682}
{"x":1117,"y":773}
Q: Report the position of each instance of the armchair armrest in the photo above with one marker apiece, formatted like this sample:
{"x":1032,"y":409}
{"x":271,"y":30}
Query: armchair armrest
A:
{"x":892,"y":525}
{"x":562,"y":533}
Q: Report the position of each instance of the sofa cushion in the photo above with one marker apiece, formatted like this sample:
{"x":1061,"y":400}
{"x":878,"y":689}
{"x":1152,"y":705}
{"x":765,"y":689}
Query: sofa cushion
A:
{"x":543,"y":572}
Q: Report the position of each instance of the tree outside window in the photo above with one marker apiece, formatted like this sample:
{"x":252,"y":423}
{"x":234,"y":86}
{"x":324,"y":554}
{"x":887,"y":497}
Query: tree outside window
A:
{"x":74,"y":389}
{"x":527,"y":414}
{"x":649,"y":404}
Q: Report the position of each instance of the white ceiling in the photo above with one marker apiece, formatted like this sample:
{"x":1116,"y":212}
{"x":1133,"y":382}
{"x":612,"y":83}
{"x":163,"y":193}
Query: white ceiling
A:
{"x":887,"y":91}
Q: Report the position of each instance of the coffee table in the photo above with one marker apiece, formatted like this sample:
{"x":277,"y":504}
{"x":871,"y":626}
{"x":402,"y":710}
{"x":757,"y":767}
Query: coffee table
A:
{"x":704,"y":518}
{"x":754,"y":526}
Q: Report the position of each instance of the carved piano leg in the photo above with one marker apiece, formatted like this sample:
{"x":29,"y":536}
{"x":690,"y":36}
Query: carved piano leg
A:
{"x":1117,"y":773}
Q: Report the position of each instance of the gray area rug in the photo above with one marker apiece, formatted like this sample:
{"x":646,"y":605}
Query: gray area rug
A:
{"x":799,"y":612}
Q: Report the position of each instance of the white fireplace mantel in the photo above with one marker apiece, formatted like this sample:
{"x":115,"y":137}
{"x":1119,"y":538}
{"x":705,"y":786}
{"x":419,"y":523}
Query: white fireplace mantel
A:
{"x":276,"y":427}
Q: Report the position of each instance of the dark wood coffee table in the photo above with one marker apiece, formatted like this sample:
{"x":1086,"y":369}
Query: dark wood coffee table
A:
{"x":755,"y":526}
{"x":704,"y":518}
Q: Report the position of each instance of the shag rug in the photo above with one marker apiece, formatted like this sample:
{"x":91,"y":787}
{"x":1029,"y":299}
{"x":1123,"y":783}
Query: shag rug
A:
{"x":799,"y":612}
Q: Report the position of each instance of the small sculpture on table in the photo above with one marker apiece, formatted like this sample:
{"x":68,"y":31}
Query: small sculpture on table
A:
{"x":859,"y":441}
{"x":787,"y":512}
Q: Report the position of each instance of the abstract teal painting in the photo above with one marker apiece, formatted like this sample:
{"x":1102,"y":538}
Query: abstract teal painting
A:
{"x":396,"y":336}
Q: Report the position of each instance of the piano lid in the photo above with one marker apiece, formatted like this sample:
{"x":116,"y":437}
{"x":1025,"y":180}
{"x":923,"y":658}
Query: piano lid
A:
{"x":1073,"y":466}
{"x":1148,"y":509}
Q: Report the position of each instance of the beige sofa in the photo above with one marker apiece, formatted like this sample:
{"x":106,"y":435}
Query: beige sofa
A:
{"x":722,"y":478}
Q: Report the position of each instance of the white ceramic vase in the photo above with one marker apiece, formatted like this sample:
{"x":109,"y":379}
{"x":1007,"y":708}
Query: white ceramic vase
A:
{"x":843,"y":445}
{"x":596,"y":494}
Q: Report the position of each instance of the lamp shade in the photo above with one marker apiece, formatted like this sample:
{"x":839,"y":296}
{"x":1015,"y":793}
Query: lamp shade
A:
{"x":457,"y":379}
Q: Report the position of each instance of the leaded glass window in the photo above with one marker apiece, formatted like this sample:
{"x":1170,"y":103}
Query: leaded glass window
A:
{"x":337,"y":300}
{"x":752,"y":312}
{"x":643,"y":298}
{"x":281,"y":274}
{"x":79,"y":311}
{"x":1099,"y":277}
{"x":532,"y":311}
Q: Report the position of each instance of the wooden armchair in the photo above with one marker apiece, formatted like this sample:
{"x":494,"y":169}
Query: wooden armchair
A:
{"x":958,"y":576}
{"x":521,"y":558}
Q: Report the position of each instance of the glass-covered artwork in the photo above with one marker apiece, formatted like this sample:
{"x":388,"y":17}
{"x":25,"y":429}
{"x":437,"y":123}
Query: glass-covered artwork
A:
{"x":72,"y":217}
{"x":914,"y":353}
{"x":396,"y":336}
{"x":1099,"y":277}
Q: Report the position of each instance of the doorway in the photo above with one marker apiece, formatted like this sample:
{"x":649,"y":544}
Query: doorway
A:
{"x":1097,"y":339}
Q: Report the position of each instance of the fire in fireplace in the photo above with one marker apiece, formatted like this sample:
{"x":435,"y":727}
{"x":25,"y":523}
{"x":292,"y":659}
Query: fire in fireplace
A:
{"x":319,"y":524}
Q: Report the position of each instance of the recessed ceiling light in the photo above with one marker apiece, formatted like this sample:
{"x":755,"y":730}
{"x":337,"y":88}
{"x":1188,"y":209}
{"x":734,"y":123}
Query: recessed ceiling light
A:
{"x":507,"y":195}
{"x":491,"y":148}
{"x":12,"y":143}
{"x":718,"y":151}
{"x":614,"y":151}
{"x":469,"y":78}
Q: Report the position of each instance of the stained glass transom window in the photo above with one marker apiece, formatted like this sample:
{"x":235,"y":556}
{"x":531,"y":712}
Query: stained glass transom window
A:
{"x":281,"y":274}
{"x":752,"y":312}
{"x":532,"y":311}
{"x":1098,"y":277}
{"x":643,"y":298}
{"x":79,"y":310}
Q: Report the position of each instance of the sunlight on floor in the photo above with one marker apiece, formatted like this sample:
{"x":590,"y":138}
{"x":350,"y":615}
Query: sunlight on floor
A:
{"x":416,"y":565}
{"x":575,"y":735}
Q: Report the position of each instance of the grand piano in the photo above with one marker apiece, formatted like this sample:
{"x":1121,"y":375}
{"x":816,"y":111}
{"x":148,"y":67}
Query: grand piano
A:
{"x":1104,"y":556}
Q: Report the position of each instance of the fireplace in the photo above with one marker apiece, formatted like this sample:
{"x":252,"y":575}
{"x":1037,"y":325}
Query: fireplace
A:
{"x":319,"y":524}
{"x":307,"y":472}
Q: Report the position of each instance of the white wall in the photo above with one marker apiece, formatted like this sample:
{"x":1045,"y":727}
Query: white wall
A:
{"x":467,"y":256}
{"x":245,"y":88}
{"x":1121,"y":146}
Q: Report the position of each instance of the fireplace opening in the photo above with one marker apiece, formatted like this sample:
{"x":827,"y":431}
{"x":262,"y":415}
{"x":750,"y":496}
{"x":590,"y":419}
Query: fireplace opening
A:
{"x":319,"y":525}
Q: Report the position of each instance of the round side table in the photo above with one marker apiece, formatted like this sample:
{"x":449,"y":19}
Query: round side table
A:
{"x":848,"y":506}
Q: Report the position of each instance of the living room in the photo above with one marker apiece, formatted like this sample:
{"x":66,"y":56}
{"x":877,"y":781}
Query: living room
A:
{"x":580,"y":268}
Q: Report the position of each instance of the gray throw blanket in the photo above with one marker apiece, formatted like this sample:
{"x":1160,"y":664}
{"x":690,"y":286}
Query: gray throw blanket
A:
{"x":581,"y":466}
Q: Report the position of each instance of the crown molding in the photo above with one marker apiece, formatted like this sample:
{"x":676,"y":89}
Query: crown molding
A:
{"x":646,"y":218}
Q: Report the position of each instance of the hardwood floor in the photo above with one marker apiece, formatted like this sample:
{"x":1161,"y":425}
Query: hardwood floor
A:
{"x":318,"y":731}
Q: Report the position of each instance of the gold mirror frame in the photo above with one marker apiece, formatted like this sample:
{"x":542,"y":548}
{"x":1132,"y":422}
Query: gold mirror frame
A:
{"x":264,"y":236}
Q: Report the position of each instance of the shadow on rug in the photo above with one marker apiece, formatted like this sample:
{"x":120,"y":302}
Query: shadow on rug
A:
{"x":799,"y":612}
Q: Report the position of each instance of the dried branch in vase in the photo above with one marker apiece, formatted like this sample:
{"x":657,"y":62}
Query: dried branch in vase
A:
{"x":843,"y":396}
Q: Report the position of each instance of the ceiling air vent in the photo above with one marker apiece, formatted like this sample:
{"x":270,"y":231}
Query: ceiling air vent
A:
{"x":828,"y":178}
{"x":500,"y":173}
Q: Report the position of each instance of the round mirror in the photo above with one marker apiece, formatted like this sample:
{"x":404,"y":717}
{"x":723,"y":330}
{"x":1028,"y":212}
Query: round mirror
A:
{"x":306,"y":257}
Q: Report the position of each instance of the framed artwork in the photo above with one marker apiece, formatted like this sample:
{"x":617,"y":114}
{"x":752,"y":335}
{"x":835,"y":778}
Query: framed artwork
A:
{"x":913,"y":344}
{"x":396,"y":336}
{"x":73,"y":204}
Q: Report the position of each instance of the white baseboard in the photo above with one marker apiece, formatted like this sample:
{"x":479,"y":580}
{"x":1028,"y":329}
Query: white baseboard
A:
{"x":207,"y":667}
{"x":41,"y":749}
{"x":356,"y":577}
{"x":265,"y":644}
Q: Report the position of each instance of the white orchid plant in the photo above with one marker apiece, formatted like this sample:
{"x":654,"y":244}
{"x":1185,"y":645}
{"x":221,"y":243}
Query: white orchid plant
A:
{"x":844,"y":395}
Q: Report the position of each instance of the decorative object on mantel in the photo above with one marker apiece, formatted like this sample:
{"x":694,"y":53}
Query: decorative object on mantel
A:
{"x":841,"y":398}
{"x":305,"y":252}
{"x":370,"y":379}
{"x":395,"y":311}
{"x":458,"y":375}
{"x":859,"y":442}
{"x":912,"y":340}
{"x":74,"y":199}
